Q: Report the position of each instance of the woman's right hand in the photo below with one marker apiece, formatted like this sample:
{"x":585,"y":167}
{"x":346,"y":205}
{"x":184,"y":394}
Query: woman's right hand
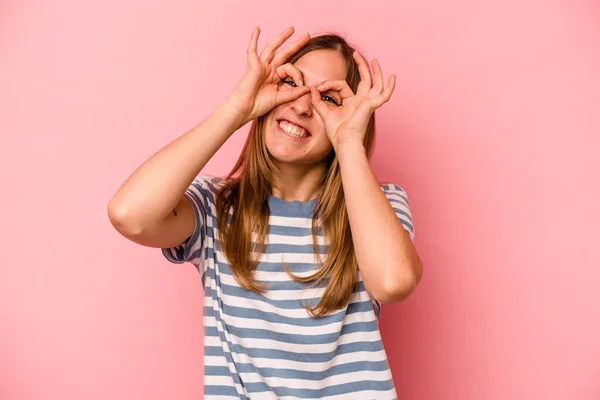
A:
{"x":258,"y":91}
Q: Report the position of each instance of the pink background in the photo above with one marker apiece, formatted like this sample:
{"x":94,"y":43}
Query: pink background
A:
{"x":494,"y":131}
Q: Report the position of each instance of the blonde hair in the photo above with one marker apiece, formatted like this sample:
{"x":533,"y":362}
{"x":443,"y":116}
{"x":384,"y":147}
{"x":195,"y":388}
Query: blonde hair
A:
{"x":245,"y":192}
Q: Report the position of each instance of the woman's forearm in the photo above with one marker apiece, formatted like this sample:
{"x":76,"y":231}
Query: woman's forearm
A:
{"x":156,"y":187}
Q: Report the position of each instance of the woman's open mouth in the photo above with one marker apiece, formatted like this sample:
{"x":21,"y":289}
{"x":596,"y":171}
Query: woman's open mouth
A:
{"x":292,"y":130}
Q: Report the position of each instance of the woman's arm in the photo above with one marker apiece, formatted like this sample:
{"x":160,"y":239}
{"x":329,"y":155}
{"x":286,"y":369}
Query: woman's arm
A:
{"x":389,"y":264}
{"x":151,"y":196}
{"x":150,"y":207}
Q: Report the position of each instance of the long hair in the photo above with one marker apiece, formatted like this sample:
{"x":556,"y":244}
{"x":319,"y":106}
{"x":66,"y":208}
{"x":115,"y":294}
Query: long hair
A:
{"x":243,"y":211}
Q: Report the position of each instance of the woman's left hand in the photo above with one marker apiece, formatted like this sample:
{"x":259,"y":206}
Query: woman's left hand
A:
{"x":348,"y":122}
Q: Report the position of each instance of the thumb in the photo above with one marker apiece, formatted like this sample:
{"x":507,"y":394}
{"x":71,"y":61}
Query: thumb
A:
{"x":318,"y":104}
{"x":285,"y":96}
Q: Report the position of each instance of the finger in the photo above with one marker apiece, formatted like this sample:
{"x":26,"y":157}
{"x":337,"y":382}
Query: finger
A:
{"x":252,"y":54}
{"x":283,"y":54}
{"x":288,"y":70}
{"x":269,"y":51}
{"x":317,"y":103}
{"x":377,"y":77}
{"x":285,"y":96}
{"x":365,"y":75}
{"x":386,"y":95}
{"x":339,"y":86}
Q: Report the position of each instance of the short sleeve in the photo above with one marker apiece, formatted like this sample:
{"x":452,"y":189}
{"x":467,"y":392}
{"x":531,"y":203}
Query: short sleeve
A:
{"x":398,"y":199}
{"x":200,"y":195}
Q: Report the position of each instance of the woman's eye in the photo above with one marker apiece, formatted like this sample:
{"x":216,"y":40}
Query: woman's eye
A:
{"x":290,"y":82}
{"x":330,"y":99}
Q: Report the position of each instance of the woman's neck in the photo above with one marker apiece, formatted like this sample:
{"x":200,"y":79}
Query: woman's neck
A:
{"x":297,"y":182}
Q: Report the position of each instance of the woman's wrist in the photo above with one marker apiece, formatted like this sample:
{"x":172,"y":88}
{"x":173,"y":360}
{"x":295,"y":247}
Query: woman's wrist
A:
{"x":232,"y":114}
{"x":350,"y":149}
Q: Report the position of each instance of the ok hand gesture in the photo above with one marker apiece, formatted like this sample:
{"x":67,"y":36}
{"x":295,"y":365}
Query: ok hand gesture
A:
{"x":257,"y":92}
{"x":348,"y":122}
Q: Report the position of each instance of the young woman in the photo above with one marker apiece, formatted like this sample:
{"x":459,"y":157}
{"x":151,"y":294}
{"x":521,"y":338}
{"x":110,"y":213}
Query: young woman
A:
{"x":279,"y":242}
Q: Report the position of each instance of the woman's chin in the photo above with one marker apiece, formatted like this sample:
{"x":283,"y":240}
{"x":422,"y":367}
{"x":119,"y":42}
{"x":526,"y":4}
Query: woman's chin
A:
{"x":284,"y":150}
{"x":285,"y":157}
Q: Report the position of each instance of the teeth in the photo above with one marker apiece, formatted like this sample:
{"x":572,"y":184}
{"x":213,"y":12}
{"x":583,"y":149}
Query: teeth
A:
{"x":292,"y":130}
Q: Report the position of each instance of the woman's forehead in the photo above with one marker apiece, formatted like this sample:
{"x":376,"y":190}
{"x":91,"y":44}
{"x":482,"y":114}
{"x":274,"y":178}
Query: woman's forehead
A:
{"x":321,"y":65}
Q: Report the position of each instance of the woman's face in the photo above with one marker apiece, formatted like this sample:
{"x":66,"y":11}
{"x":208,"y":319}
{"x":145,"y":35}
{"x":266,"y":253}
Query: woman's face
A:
{"x":294,"y":132}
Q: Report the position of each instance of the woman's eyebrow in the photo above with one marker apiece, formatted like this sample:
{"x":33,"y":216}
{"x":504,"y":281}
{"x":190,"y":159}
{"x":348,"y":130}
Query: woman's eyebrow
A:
{"x":301,"y":73}
{"x":327,"y":91}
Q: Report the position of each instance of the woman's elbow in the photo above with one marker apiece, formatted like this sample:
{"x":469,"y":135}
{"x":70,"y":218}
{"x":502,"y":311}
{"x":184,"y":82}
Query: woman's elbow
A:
{"x":396,"y":290}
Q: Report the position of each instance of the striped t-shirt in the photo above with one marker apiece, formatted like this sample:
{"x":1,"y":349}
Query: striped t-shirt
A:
{"x":267,"y":346}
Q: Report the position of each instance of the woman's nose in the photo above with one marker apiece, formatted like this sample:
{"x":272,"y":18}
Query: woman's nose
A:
{"x":302,"y":105}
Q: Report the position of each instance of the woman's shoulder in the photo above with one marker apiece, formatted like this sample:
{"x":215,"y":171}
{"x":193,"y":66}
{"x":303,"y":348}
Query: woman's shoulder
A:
{"x":206,"y":187}
{"x":393,"y":189}
{"x":208,"y":182}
